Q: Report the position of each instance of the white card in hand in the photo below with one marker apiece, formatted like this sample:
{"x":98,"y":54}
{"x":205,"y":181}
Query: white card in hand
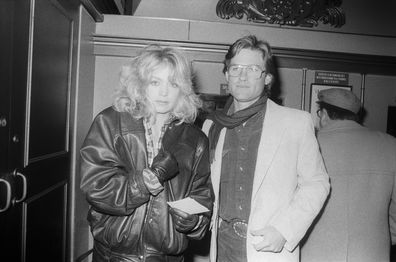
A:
{"x":188,"y":205}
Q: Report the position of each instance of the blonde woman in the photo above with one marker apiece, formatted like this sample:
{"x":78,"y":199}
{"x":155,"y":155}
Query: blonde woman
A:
{"x":141,"y":153}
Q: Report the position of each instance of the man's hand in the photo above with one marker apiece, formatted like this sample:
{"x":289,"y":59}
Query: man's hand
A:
{"x":268,"y":239}
{"x":183,"y":221}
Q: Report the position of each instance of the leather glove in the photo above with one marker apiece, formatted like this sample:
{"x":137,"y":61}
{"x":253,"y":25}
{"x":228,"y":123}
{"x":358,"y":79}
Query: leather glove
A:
{"x":164,"y":166}
{"x":183,"y":221}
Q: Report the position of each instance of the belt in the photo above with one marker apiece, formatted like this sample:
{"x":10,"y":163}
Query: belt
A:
{"x":238,"y":225}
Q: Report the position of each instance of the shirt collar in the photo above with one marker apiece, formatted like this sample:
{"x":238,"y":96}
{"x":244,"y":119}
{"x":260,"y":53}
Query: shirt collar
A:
{"x":152,"y":150}
{"x":339,"y":124}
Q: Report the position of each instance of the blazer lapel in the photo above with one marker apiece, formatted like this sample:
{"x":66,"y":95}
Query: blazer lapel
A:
{"x":271,"y":136}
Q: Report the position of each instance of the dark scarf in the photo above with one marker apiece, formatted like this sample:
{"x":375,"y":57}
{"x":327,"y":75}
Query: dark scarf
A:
{"x":221,"y":119}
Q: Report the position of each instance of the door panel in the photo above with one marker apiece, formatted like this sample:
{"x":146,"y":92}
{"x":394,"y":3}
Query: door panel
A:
{"x":10,"y":238}
{"x":46,"y":144}
{"x":49,"y":232}
{"x":13,"y":60}
{"x":37,"y":149}
{"x":48,"y":131}
{"x":6,"y":43}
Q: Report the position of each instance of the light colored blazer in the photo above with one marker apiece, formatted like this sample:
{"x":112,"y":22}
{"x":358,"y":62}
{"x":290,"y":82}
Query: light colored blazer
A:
{"x":290,"y":181}
{"x":354,"y":225}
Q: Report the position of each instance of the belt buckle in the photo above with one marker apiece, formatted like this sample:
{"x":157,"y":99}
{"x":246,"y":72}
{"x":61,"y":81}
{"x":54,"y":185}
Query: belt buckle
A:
{"x":240,"y":227}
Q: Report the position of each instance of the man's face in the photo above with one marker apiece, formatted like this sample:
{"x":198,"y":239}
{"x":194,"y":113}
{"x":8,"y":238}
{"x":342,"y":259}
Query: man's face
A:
{"x":244,"y":88}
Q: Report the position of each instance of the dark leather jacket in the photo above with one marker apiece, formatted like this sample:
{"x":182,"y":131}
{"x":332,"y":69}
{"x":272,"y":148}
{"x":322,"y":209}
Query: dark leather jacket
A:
{"x":127,"y":222}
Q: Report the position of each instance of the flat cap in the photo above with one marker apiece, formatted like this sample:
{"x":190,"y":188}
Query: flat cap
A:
{"x":341,"y":98}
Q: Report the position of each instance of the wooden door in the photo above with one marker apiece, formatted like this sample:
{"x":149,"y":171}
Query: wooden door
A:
{"x":35,"y":141}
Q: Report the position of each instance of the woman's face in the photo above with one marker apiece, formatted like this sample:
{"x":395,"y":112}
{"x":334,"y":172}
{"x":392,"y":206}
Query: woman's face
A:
{"x":161,"y":91}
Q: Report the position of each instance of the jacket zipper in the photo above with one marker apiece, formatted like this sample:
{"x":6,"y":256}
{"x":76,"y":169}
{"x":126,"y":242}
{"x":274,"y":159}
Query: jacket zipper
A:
{"x":142,"y":245}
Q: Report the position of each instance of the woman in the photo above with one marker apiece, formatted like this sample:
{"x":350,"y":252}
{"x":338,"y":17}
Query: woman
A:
{"x":141,"y":153}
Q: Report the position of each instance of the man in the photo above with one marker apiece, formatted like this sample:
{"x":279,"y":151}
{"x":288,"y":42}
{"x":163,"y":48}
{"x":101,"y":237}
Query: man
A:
{"x":361,"y":164}
{"x":267,"y":172}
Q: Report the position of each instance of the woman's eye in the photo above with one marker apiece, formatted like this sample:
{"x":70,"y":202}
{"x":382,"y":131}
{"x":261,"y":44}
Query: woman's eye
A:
{"x":174,"y":85}
{"x":154,"y":83}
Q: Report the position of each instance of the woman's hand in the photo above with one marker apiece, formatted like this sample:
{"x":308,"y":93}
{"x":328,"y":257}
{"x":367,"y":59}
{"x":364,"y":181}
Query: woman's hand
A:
{"x":183,"y":221}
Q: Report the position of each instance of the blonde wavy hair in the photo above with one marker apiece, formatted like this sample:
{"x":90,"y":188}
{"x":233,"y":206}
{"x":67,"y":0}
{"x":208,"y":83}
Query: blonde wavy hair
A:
{"x":131,"y":97}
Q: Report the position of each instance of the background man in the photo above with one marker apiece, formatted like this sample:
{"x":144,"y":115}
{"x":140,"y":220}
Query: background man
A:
{"x":267,"y":171}
{"x":362,"y":166}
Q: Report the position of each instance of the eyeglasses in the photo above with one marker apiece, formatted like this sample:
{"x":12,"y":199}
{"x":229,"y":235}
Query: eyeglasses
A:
{"x":252,"y":71}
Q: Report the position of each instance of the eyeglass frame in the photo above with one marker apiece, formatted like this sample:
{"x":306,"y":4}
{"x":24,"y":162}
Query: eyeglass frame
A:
{"x":245,"y":67}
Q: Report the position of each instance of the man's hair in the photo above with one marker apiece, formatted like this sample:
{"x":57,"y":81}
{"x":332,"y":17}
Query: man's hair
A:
{"x":131,"y":96}
{"x":251,"y":42}
{"x":337,"y":113}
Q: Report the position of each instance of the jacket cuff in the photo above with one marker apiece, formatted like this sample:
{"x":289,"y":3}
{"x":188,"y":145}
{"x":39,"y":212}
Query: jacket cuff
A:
{"x":151,"y":182}
{"x":290,"y":244}
{"x":200,"y":217}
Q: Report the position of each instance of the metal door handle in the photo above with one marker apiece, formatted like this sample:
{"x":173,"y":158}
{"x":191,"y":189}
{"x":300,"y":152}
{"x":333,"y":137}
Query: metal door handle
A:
{"x":3,"y":121}
{"x":24,"y":189}
{"x":8,"y":201}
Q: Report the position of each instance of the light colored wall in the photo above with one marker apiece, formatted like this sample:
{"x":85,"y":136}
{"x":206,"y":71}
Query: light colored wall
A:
{"x":291,"y":85}
{"x":362,"y":17}
{"x":206,"y":43}
{"x":107,"y":70}
{"x":225,"y":33}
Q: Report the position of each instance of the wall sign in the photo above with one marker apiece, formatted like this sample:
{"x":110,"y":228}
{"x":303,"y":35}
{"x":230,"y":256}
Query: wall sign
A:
{"x":331,"y":78}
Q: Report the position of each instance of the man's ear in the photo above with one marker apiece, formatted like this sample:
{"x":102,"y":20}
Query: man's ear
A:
{"x":268,"y":79}
{"x":324,"y":113}
{"x":324,"y":119}
{"x":226,"y":76}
